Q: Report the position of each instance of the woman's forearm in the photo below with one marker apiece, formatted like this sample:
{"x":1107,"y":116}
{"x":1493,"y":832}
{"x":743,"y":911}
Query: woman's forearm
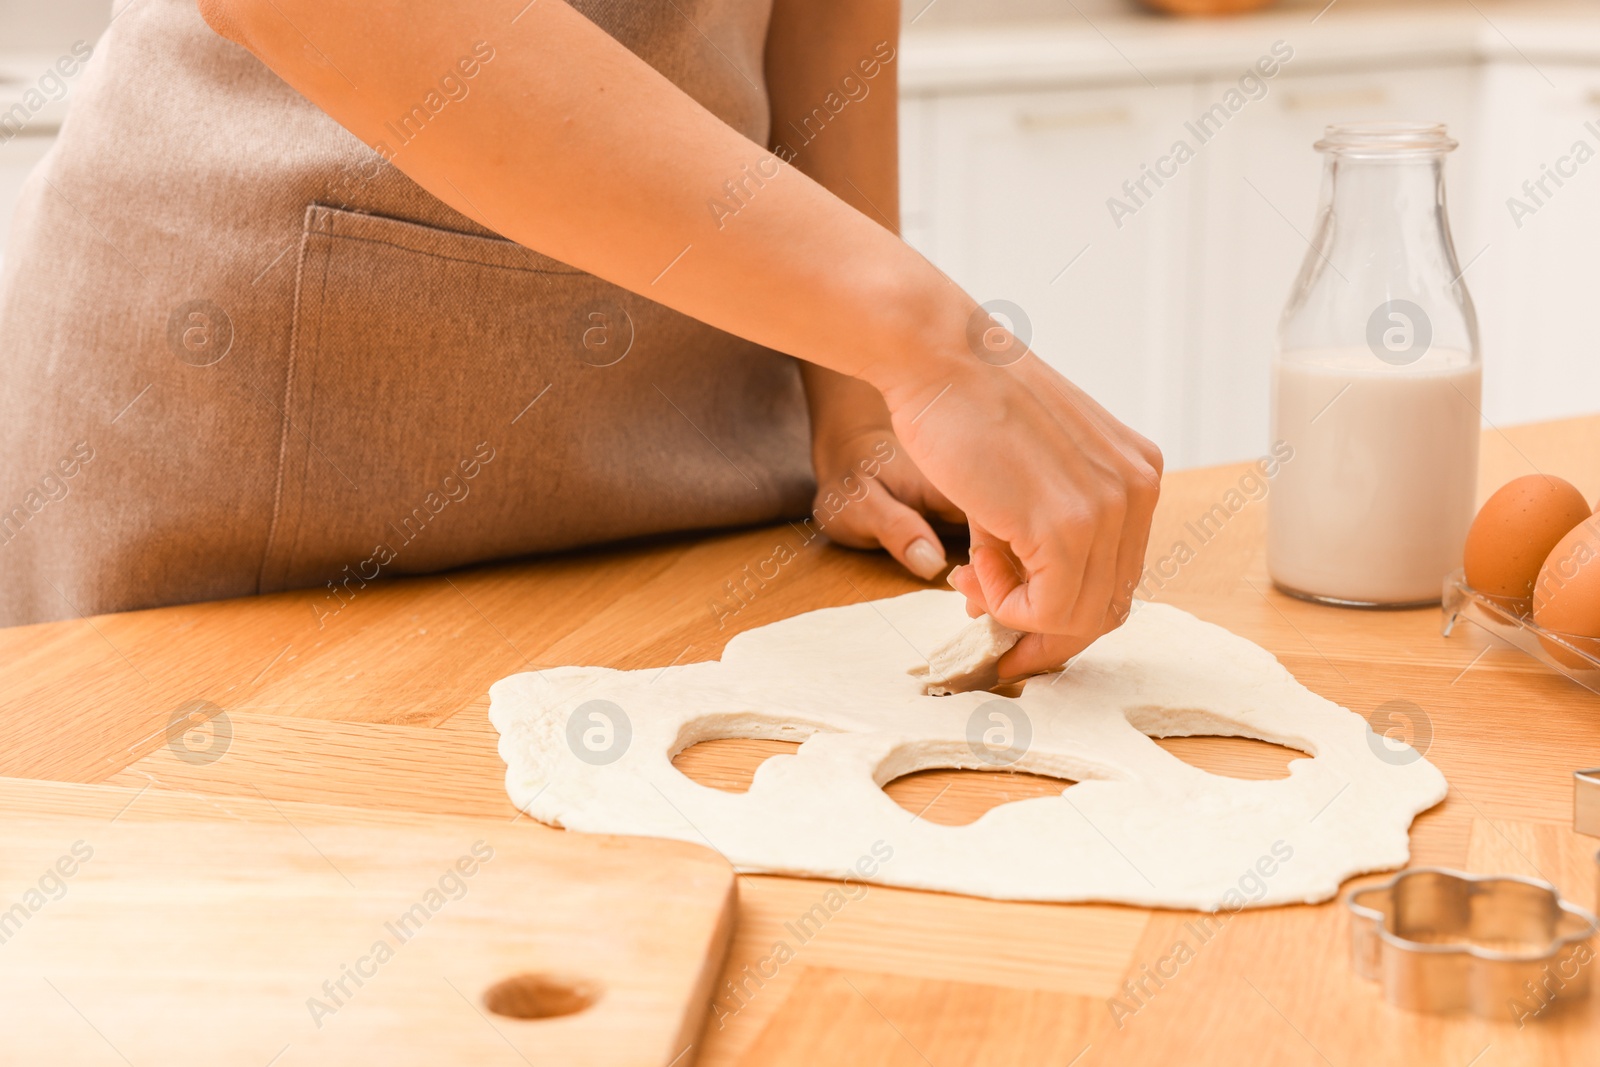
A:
{"x":570,"y":144}
{"x":817,"y":50}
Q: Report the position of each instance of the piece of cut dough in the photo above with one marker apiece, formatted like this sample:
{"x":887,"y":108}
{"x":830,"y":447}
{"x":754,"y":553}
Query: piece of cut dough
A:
{"x":969,"y":660}
{"x":590,"y":749}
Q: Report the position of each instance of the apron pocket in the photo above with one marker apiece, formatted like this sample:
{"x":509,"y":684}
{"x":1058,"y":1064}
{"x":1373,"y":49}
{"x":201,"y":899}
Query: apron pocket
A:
{"x":453,"y":398}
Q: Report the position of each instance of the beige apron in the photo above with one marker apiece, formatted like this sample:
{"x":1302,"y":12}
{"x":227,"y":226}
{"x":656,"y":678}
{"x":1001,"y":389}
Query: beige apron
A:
{"x":239,"y":354}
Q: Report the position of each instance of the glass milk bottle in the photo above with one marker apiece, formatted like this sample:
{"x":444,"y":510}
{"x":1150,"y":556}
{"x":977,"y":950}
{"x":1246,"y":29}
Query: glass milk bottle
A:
{"x":1376,"y":382}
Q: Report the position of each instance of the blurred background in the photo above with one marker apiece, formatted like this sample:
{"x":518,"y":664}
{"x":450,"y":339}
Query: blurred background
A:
{"x":1023,"y":119}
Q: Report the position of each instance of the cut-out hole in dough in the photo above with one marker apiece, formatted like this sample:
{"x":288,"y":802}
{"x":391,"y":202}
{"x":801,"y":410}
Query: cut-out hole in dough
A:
{"x":1233,"y":757}
{"x":1212,"y":744}
{"x":729,"y":763}
{"x":952,"y":797}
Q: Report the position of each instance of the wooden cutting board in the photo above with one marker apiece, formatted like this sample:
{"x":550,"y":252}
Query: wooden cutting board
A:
{"x":145,"y":927}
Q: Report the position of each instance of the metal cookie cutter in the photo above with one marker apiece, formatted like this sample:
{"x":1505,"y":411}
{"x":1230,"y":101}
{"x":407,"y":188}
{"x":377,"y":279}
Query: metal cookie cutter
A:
{"x":1446,"y":941}
{"x":1586,"y":802}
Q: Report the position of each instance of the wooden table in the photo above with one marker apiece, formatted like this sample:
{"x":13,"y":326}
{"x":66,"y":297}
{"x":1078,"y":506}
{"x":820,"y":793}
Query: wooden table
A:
{"x":383,"y":707}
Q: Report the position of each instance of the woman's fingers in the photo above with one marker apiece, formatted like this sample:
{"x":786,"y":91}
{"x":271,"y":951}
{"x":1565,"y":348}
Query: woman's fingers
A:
{"x":1002,"y":579}
{"x":1142,"y":488}
{"x":1040,"y":652}
{"x":1091,"y":612}
{"x":906,"y":536}
{"x":965,"y":581}
{"x":1131,"y":551}
{"x":998,"y":577}
{"x":1100,"y":576}
{"x":880,"y":519}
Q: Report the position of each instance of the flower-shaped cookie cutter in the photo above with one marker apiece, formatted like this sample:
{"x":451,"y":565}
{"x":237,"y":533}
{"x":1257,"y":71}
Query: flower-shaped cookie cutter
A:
{"x":1586,"y":801}
{"x":1446,"y":941}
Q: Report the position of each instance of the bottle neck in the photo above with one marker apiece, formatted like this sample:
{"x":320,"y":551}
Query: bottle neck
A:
{"x":1381,"y":249}
{"x":1387,"y":216}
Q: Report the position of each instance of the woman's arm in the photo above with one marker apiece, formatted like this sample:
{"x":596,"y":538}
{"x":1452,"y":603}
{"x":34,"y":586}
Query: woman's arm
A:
{"x":839,"y":54}
{"x":573,"y":146}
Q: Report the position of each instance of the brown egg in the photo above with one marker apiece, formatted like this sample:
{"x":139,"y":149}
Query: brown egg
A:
{"x":1566,"y":598}
{"x":1514,"y":532}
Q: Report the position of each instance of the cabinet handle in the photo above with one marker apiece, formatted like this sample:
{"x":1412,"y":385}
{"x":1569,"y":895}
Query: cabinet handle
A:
{"x":1373,"y":96}
{"x":1066,"y":120}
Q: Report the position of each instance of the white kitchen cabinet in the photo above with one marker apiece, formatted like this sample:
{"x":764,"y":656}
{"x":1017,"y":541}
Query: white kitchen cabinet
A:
{"x":1536,"y":284}
{"x":1007,"y":194}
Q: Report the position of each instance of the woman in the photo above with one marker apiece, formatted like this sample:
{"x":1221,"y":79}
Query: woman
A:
{"x":262,"y":302}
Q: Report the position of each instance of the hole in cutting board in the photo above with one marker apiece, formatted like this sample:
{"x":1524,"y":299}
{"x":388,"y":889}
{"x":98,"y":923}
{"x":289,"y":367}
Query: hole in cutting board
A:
{"x":539,"y":996}
{"x":953,"y":797}
{"x":1233,"y":757}
{"x":729,"y":763}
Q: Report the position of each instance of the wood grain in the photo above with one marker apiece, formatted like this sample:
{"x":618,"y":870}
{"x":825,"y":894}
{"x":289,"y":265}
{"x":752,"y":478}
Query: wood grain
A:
{"x":383,"y":710}
{"x":171,"y":929}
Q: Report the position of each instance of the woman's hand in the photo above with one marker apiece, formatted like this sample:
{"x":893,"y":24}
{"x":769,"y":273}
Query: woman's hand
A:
{"x":1058,"y":493}
{"x":870,"y":492}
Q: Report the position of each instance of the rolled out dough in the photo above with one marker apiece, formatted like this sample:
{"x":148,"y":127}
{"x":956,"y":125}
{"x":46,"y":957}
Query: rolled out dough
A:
{"x":591,"y":748}
{"x":969,"y":660}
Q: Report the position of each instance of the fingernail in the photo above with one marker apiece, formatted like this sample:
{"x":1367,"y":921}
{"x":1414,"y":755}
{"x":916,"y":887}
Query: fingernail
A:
{"x":951,"y":577}
{"x":925,"y":558}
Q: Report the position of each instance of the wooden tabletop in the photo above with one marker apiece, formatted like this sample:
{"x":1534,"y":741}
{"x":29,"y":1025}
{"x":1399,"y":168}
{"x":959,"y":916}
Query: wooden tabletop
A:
{"x":383,"y":706}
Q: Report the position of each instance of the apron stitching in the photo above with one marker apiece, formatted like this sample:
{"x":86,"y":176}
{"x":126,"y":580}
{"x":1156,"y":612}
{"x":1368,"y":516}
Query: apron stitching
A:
{"x":288,"y":392}
{"x":461,"y":259}
{"x":311,"y":398}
